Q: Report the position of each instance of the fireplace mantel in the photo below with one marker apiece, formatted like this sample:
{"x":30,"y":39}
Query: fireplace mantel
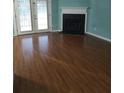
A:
{"x":73,"y":10}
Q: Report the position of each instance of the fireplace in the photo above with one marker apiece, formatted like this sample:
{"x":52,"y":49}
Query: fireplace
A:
{"x":73,"y":20}
{"x":73,"y":23}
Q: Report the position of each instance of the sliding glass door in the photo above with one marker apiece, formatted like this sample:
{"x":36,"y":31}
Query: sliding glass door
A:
{"x":42,"y":15}
{"x":24,"y":16}
{"x":32,"y":16}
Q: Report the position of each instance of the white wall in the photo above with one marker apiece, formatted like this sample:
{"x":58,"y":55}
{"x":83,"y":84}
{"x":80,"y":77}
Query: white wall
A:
{"x":14,"y":23}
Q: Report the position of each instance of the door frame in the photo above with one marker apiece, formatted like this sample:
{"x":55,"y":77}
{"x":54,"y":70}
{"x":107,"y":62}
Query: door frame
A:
{"x":49,"y":9}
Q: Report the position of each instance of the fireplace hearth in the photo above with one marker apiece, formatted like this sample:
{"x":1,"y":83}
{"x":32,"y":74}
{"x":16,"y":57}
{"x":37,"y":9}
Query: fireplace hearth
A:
{"x":73,"y":23}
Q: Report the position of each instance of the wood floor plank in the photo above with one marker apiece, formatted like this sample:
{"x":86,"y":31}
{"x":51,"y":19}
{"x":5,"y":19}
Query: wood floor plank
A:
{"x":61,"y":63}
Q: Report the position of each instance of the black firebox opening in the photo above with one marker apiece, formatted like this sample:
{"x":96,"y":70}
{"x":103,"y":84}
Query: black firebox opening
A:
{"x":73,"y":23}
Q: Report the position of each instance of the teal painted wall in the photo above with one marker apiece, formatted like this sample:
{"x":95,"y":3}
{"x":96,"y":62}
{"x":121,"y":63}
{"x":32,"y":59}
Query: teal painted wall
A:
{"x":99,"y":19}
{"x":73,"y":3}
{"x":55,"y":14}
{"x":99,"y":15}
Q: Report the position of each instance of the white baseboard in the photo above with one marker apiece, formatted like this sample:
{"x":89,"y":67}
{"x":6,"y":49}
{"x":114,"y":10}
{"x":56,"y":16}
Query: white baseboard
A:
{"x":56,"y":30}
{"x":101,"y":37}
{"x":39,"y":32}
{"x":14,"y":35}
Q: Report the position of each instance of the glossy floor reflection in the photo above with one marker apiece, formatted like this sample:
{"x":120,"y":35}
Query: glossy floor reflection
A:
{"x":60,"y":63}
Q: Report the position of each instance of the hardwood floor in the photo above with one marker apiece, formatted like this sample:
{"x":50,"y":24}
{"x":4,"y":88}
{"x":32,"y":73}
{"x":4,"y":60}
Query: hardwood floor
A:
{"x":60,"y":63}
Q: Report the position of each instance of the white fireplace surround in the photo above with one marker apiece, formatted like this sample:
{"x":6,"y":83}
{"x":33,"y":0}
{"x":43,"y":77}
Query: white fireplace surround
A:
{"x":73,"y":10}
